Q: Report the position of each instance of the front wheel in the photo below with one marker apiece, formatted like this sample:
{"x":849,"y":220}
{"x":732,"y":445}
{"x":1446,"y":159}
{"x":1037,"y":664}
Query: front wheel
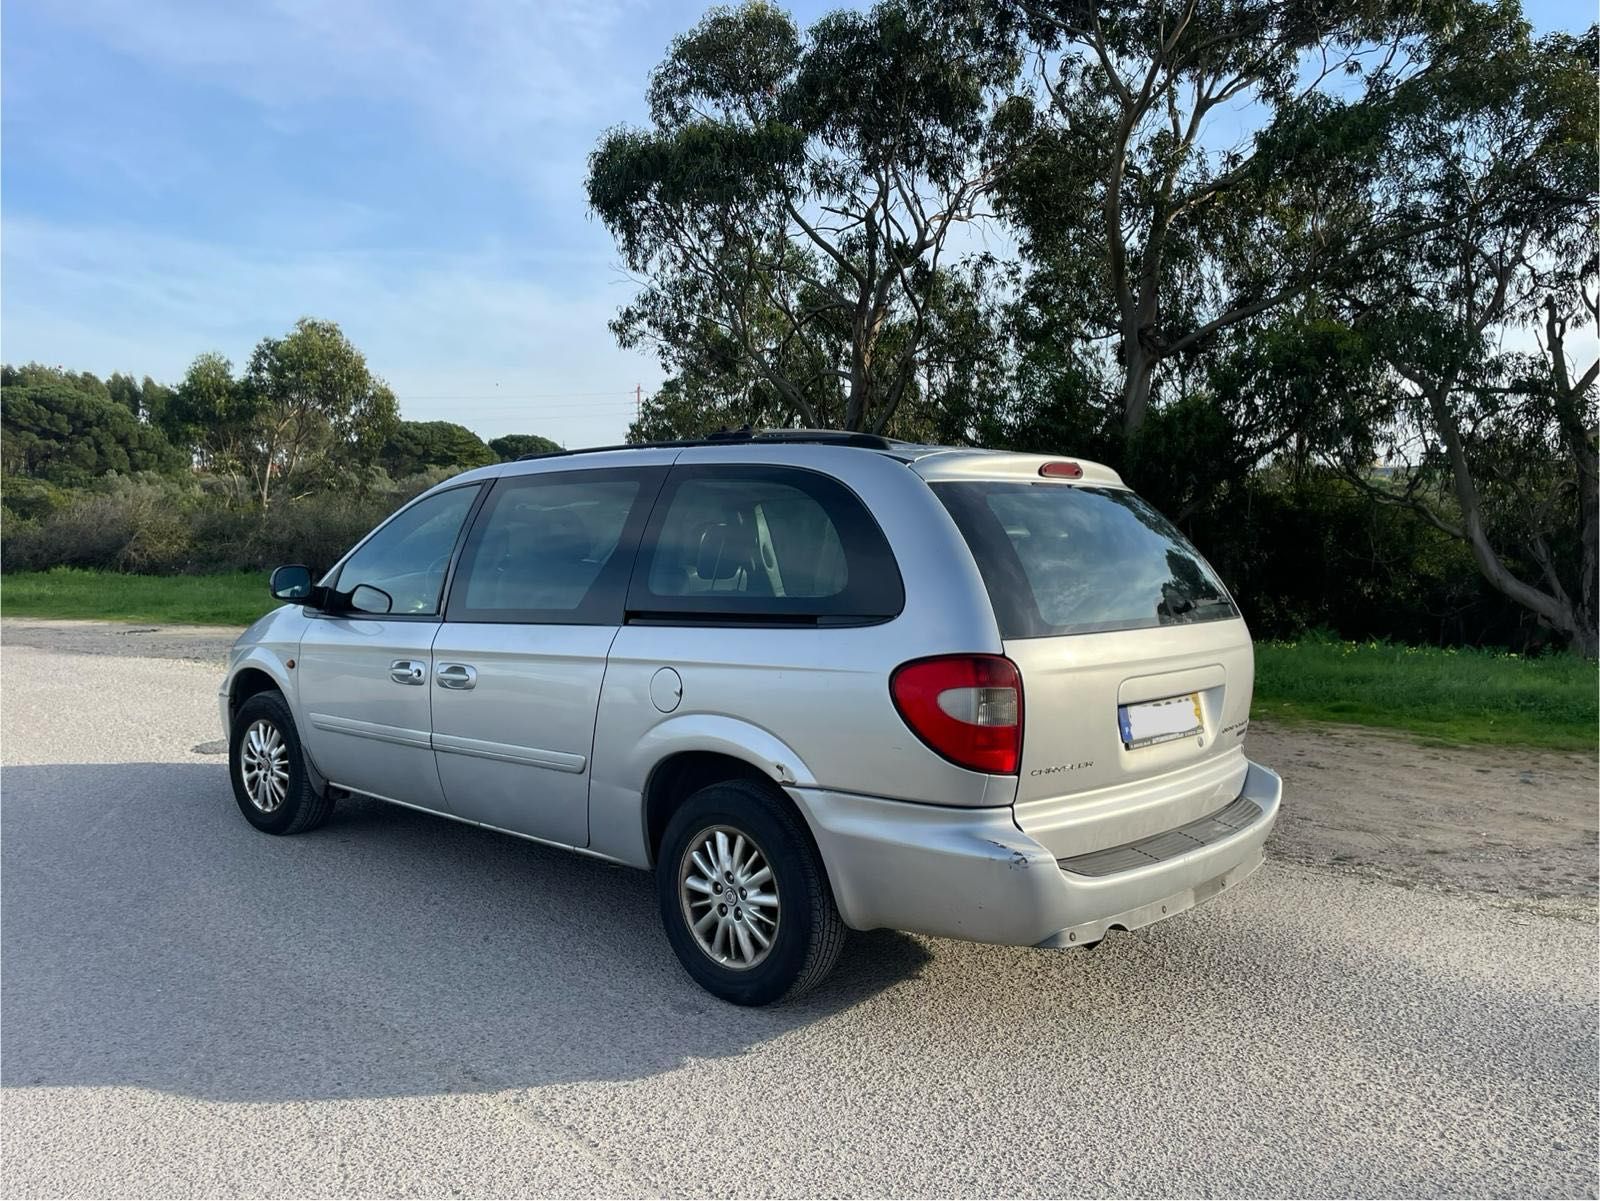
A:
{"x":270,"y":781}
{"x":744,"y":896}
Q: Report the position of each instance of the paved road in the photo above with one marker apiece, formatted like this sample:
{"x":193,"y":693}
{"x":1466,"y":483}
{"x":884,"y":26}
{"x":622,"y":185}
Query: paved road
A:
{"x":397,"y":1005}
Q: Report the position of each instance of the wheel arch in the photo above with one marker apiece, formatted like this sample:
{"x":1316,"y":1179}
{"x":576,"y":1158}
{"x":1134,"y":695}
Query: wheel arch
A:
{"x":246,"y":683}
{"x":674,"y":759}
{"x":260,"y":671}
{"x":682,"y":774}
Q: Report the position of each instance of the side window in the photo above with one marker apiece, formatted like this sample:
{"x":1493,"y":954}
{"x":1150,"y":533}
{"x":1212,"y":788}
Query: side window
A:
{"x":756,"y":542}
{"x":553,"y":547}
{"x":407,"y":558}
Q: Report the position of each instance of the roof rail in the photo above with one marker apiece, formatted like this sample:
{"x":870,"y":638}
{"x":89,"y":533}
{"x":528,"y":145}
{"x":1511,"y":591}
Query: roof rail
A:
{"x":724,"y":437}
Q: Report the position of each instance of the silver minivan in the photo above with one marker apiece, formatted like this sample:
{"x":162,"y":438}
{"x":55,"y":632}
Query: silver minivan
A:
{"x":813,"y":681}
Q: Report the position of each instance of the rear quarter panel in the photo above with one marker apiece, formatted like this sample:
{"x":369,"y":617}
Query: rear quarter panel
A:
{"x":810,"y":707}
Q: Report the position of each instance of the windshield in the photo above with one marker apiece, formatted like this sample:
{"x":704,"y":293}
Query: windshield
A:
{"x":1064,"y":559}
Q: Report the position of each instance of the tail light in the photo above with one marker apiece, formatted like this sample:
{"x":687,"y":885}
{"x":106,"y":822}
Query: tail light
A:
{"x":968,"y":708}
{"x":1061,"y":469}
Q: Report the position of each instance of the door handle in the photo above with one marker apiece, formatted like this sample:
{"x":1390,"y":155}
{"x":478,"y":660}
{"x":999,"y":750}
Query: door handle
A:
{"x":456,"y":675}
{"x":407,"y":671}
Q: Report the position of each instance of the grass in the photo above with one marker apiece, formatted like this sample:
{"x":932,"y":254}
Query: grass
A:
{"x":233,"y":599}
{"x":1458,"y":696}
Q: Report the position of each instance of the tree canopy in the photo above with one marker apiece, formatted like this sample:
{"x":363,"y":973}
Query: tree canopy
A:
{"x":1475,"y":318}
{"x":792,"y":205}
{"x":58,"y":431}
{"x":514,"y":446}
{"x":306,"y":413}
{"x":1247,"y":235}
{"x":415,"y":446}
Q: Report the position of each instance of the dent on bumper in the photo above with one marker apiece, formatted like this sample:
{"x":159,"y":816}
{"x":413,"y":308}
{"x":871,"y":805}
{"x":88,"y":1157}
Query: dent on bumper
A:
{"x":971,"y":873}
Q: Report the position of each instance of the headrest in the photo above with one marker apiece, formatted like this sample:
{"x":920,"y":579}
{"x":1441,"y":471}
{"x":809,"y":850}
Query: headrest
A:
{"x":723,"y":549}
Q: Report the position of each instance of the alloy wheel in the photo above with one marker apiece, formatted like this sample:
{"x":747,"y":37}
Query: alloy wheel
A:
{"x":729,"y":897}
{"x":264,"y":766}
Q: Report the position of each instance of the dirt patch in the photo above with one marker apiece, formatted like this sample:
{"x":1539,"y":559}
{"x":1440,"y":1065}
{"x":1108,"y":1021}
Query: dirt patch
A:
{"x":207,"y":644}
{"x":1514,"y":821}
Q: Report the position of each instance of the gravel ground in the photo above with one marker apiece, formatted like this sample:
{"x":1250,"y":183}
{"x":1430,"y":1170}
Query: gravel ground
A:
{"x":397,"y":1004}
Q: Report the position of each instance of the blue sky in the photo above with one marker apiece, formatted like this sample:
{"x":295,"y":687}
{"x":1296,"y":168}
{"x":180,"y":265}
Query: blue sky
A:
{"x":181,"y":177}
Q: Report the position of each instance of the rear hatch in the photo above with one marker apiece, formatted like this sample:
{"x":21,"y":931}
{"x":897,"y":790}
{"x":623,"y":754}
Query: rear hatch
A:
{"x":1136,"y":667}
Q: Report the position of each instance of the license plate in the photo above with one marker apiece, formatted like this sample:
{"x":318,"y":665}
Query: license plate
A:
{"x":1160,"y":721}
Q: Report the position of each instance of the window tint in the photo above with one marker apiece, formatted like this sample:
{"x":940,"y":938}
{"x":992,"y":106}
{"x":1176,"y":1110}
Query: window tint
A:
{"x":749,"y":537}
{"x":1061,"y":559}
{"x":545,"y":548}
{"x":407,"y":557}
{"x":765,"y":542}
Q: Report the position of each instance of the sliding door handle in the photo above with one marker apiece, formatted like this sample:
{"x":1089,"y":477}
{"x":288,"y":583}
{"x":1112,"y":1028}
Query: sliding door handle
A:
{"x":457,"y":676}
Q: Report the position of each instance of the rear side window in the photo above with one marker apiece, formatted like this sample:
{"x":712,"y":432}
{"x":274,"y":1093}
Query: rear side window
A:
{"x":1063,"y":559}
{"x":757,"y":543}
{"x":553,"y":547}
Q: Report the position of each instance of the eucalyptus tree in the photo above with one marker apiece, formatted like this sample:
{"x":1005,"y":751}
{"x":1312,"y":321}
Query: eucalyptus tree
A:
{"x":1488,"y":322}
{"x":791,"y":204}
{"x":958,"y":391}
{"x":307,"y":412}
{"x":210,"y":414}
{"x":1188,"y":166}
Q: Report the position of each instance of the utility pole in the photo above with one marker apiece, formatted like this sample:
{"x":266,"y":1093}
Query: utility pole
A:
{"x":638,"y":403}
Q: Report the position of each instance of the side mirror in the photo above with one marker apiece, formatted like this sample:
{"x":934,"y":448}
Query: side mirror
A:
{"x":364,"y":598}
{"x":291,"y":583}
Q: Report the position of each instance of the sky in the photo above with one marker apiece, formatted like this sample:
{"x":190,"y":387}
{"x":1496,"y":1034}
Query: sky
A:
{"x":182,"y":176}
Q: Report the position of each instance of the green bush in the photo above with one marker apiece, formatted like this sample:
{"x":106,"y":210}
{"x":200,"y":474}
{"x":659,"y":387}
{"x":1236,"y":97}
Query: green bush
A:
{"x":153,"y":524}
{"x":25,"y":500}
{"x":315,"y":530}
{"x":126,"y":524}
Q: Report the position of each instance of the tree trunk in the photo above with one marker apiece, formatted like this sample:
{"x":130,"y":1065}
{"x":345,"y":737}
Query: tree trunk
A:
{"x":1585,"y":642}
{"x":1555,"y":607}
{"x":1579,"y":439}
{"x":1140,"y":367}
{"x":1585,"y":638}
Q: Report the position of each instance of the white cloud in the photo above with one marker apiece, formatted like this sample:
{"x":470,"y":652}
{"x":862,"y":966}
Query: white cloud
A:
{"x":463,"y":337}
{"x":521,"y":89}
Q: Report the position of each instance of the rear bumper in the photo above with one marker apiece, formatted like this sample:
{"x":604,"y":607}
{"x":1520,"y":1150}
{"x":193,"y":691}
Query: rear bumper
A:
{"x":965,"y":873}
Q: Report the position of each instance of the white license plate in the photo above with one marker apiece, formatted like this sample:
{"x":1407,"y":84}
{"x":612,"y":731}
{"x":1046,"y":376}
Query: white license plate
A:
{"x":1160,"y":721}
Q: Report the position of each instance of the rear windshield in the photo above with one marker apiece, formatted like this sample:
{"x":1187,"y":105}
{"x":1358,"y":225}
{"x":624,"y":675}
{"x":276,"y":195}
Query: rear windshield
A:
{"x":1065,"y":559}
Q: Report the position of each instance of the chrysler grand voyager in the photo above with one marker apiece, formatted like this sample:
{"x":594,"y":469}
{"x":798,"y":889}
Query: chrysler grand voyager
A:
{"x":812,"y":681}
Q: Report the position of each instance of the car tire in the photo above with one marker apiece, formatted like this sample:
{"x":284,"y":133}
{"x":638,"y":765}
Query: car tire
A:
{"x":267,"y":765}
{"x":807,"y":934}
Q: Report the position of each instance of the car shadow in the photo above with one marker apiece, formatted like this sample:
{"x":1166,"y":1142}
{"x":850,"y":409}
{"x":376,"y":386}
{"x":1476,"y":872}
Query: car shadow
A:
{"x":150,"y":937}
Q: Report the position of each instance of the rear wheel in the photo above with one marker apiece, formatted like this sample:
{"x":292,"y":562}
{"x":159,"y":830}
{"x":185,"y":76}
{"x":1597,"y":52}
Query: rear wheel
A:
{"x":270,"y":781}
{"x":744,"y":896}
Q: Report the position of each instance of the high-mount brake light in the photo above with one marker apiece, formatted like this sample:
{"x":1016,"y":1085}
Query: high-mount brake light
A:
{"x":1061,"y":469}
{"x":968,"y":708}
